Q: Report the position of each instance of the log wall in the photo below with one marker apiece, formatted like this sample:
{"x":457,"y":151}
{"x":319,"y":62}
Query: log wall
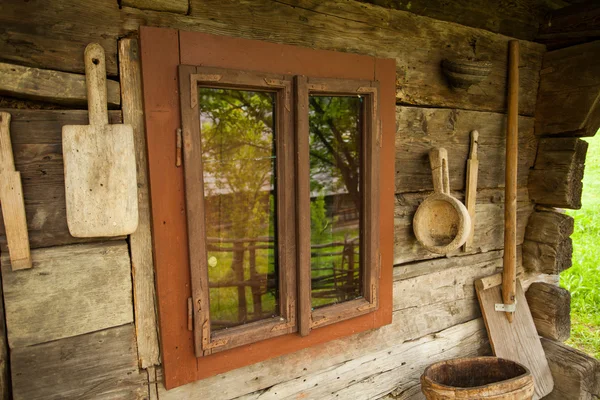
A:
{"x":70,"y":319}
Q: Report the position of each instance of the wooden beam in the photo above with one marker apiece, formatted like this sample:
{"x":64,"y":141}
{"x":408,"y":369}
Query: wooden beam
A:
{"x":339,"y":25}
{"x":569,"y":94}
{"x":550,"y":307}
{"x":101,"y":364}
{"x":36,"y":139}
{"x":576,"y":375}
{"x":174,"y":6}
{"x":556,"y":178}
{"x":548,"y":247}
{"x":70,"y":291}
{"x":4,"y":360}
{"x":568,"y":26}
{"x":141,"y":240}
{"x":50,"y":86}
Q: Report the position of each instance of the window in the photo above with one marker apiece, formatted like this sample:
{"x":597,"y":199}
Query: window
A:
{"x":276,"y":231}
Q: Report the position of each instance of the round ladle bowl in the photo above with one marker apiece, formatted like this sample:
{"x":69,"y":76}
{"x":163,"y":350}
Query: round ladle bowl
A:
{"x":442,"y":223}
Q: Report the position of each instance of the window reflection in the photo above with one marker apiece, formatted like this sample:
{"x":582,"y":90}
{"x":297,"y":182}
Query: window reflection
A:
{"x":335,"y":203}
{"x":238,"y":160}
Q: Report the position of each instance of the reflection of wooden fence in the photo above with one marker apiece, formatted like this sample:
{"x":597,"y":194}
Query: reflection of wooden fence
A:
{"x":336,"y":282}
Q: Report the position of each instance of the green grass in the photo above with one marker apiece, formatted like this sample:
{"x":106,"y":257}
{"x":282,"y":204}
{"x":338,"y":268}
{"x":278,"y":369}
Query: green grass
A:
{"x":583,"y":278}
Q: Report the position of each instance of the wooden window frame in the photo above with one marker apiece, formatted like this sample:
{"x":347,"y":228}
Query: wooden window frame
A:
{"x":206,"y":341}
{"x":369,"y":191}
{"x":162,"y":51}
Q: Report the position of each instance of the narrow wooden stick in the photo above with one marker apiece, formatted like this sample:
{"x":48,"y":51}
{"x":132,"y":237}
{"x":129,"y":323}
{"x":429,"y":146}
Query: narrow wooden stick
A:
{"x":509,"y":275}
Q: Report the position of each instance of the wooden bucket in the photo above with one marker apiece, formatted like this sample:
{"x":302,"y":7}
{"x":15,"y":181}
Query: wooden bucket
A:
{"x":477,"y":378}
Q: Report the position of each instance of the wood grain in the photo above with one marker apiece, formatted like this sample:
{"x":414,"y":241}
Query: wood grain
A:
{"x":571,"y":25}
{"x":175,"y":6}
{"x":550,"y":307}
{"x":4,"y":360}
{"x":77,"y":289}
{"x":99,"y":365}
{"x":516,"y":340}
{"x":50,"y":86}
{"x":547,"y":247}
{"x":140,"y":241}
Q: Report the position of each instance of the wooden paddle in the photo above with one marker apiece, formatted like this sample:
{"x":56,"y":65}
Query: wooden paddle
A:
{"x":471,"y":189}
{"x":11,"y":198}
{"x":100,"y":169}
{"x":503,"y":305}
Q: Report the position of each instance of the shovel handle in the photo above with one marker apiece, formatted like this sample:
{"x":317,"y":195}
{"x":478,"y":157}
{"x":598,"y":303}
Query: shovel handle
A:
{"x":95,"y":80}
{"x":7,"y":162}
{"x":438,"y":159}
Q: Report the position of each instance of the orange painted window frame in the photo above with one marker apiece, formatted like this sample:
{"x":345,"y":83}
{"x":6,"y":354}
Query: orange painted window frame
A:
{"x":162,"y":51}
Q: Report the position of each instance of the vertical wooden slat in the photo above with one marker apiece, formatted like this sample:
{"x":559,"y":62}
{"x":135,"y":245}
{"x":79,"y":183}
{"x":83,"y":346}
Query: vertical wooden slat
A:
{"x":303,"y":205}
{"x":141,"y":240}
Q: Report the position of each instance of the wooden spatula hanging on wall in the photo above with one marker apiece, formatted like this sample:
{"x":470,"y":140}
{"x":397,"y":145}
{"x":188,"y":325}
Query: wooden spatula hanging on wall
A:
{"x":505,"y":311}
{"x":11,"y":200}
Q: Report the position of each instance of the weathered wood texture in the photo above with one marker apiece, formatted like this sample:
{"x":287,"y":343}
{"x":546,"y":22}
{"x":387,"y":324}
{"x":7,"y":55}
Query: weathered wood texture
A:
{"x":420,"y":129}
{"x":37,"y":147}
{"x":548,"y":247}
{"x":175,"y":6}
{"x":4,"y":360}
{"x":568,"y":26}
{"x":569,"y":94}
{"x":519,"y":19}
{"x":141,"y":240}
{"x":550,"y":307}
{"x":50,"y":86}
{"x":71,"y":290}
{"x":489,"y":224}
{"x":333,"y":25}
{"x":368,"y":376}
{"x":556,"y":178}
{"x":576,"y":375}
{"x":99,"y":365}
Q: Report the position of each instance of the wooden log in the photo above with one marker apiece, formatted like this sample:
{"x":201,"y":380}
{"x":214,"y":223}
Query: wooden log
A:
{"x":519,"y":19}
{"x":550,"y":307}
{"x":556,"y":178}
{"x":174,"y":6}
{"x":576,"y":375}
{"x":489,"y":223}
{"x":569,"y":94}
{"x":4,"y":360}
{"x":101,"y":364}
{"x":568,"y":26}
{"x":37,"y":146}
{"x":547,"y":247}
{"x":71,"y":290}
{"x":331,"y":25}
{"x":141,"y":240}
{"x":420,"y":129}
{"x":50,"y":86}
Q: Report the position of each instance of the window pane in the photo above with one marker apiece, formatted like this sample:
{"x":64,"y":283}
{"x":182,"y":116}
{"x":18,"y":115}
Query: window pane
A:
{"x":335,"y":203}
{"x":238,"y":159}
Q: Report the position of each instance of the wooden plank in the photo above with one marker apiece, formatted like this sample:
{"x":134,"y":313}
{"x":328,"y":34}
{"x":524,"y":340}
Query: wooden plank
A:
{"x":420,"y":129}
{"x":50,"y":86}
{"x":489,"y":223}
{"x":71,"y":290}
{"x":36,"y":139}
{"x":556,"y":178}
{"x":569,"y":93}
{"x":576,"y":375}
{"x":548,"y":247}
{"x":175,"y":6}
{"x":99,"y":365}
{"x":550,"y":307}
{"x":146,"y":325}
{"x":516,"y":340}
{"x":330,"y":25}
{"x":568,"y":26}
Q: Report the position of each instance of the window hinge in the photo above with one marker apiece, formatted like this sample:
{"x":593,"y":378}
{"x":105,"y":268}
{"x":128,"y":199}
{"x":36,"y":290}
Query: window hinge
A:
{"x":178,"y":148}
{"x":190,"y":315}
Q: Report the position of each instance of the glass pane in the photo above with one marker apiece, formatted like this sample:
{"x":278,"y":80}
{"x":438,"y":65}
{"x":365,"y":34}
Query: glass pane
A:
{"x":238,"y":159}
{"x":335,"y":203}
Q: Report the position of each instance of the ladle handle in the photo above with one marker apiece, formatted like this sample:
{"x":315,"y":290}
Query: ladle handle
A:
{"x":438,"y":158}
{"x":95,"y":81}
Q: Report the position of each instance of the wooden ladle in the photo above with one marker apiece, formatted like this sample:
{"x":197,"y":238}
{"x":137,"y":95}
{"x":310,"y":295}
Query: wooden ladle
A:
{"x":441,"y":223}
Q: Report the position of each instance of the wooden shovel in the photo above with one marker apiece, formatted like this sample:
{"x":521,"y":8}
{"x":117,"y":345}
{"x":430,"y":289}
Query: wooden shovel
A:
{"x":505,"y":311}
{"x":100,"y":169}
{"x":11,"y":198}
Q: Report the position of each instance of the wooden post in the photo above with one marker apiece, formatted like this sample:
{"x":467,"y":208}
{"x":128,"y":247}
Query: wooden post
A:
{"x":550,"y":307}
{"x":238,"y":270}
{"x":509,"y":276}
{"x":254,"y":277}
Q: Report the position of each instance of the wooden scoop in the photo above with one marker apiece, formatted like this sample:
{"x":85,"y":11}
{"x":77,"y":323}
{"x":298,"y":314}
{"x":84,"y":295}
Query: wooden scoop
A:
{"x":100,"y":169}
{"x":441,"y":223}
